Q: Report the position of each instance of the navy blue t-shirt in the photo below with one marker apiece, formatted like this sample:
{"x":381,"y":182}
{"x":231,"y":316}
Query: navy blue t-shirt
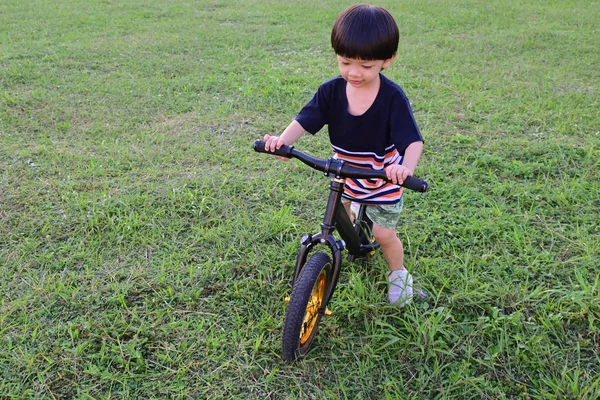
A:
{"x":375,"y":139}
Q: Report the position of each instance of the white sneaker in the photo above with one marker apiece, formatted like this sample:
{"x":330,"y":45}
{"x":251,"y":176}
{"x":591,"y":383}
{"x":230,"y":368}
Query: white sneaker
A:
{"x":401,"y":287}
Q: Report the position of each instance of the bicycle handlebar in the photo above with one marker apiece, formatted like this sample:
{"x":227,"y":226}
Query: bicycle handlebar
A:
{"x":338,"y":168}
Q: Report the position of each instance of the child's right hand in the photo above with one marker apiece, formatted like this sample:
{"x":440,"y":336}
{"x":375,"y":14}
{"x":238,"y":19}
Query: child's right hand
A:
{"x":273,"y":143}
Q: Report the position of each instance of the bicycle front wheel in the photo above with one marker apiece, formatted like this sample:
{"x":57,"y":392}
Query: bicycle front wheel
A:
{"x":305,"y":308}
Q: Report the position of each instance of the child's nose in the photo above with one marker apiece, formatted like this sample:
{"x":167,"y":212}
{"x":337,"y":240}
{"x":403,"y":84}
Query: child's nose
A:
{"x":354,"y":72}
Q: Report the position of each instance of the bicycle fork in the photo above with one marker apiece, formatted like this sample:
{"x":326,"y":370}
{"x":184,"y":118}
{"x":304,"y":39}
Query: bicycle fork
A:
{"x":325,"y":237}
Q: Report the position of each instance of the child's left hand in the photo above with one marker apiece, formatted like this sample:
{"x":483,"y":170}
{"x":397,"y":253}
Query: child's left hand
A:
{"x":397,"y":173}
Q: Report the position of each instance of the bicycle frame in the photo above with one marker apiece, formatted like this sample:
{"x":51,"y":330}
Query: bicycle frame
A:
{"x":335,"y":217}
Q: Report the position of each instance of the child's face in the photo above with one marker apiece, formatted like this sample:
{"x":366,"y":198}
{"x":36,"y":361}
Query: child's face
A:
{"x":361,"y":73}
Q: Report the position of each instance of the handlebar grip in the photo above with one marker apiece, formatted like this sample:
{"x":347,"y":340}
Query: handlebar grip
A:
{"x":335,"y":166}
{"x":283,"y":151}
{"x":416,"y":184}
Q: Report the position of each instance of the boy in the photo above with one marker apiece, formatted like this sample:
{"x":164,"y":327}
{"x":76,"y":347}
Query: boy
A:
{"x":370,"y":125}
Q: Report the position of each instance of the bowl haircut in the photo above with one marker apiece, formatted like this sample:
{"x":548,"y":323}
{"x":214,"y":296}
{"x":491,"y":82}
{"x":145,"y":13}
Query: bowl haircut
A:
{"x":365,"y":32}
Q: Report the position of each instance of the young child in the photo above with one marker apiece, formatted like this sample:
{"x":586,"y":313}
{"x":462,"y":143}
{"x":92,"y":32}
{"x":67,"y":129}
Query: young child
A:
{"x":371,"y":125}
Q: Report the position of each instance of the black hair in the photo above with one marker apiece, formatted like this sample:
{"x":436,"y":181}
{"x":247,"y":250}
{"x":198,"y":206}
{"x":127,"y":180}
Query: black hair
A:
{"x":365,"y":32}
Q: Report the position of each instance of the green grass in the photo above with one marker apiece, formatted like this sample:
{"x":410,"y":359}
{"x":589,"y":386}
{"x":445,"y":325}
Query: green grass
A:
{"x":145,"y":249}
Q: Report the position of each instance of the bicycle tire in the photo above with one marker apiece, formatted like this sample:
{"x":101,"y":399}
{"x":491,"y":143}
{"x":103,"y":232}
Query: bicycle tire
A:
{"x":302,"y":316}
{"x":365,"y":230}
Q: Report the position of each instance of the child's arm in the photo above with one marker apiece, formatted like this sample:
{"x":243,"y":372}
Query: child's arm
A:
{"x":412,"y":154}
{"x":292,"y":133}
{"x":398,"y":172}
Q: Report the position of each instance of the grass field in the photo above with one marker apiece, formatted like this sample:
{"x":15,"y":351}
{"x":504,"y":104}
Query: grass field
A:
{"x":145,"y":249}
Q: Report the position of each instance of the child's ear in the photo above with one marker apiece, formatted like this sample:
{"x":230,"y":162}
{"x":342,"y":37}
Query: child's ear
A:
{"x":389,"y":61}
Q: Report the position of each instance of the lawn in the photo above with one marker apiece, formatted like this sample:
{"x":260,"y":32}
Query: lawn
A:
{"x":145,"y":249}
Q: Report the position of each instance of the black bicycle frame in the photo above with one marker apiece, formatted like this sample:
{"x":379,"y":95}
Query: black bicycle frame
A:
{"x":336,"y":217}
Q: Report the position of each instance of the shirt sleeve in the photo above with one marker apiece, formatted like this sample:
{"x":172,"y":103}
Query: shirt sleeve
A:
{"x":403,"y":127}
{"x":315,"y":114}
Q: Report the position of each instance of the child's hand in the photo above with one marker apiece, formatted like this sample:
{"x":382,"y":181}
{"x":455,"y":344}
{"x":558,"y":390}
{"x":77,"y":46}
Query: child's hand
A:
{"x":397,"y":173}
{"x":273,"y":143}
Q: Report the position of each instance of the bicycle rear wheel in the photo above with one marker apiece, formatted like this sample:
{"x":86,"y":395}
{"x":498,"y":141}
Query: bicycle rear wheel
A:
{"x":363,"y":226}
{"x":306,"y":307}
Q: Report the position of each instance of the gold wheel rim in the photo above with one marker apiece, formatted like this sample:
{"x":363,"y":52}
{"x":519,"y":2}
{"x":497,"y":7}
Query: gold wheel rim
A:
{"x":312,"y":308}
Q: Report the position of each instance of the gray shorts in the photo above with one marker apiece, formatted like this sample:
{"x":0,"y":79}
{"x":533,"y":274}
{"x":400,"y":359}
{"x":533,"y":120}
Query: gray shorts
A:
{"x":384,"y":216}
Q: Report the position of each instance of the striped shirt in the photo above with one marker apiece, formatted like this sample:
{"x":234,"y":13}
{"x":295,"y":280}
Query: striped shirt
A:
{"x":375,"y":139}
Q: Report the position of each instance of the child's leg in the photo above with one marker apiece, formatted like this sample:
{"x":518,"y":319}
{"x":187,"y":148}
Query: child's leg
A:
{"x":351,"y":208}
{"x":392,"y":247}
{"x":347,"y":206}
{"x":401,"y":283}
